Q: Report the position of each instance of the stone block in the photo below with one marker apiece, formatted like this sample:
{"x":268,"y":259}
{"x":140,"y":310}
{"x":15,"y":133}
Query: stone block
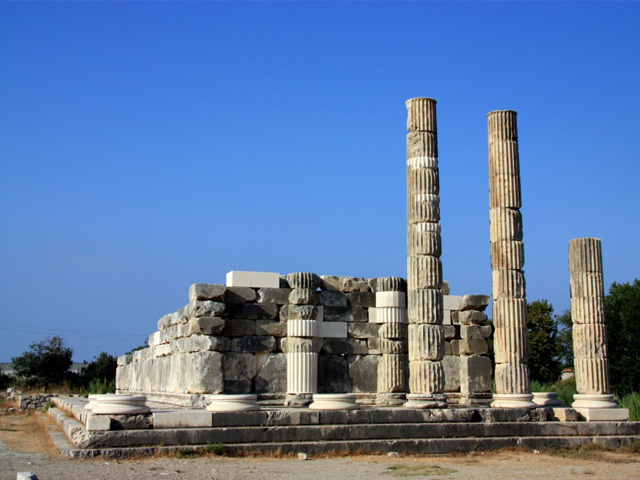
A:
{"x":450,"y":332}
{"x":206,"y":291}
{"x":272,"y":375}
{"x":254,"y":311}
{"x":486,"y":330}
{"x":302,"y":328}
{"x":563,"y":414}
{"x":303,"y":296}
{"x":253,"y":344}
{"x":302,"y":312}
{"x":206,"y":308}
{"x":277,"y":296}
{"x":447,"y":348}
{"x":98,"y":423}
{"x":475,"y":302}
{"x":203,"y":373}
{"x":361,"y":299}
{"x":181,"y":419}
{"x":240,"y":295}
{"x":452,"y":302}
{"x":235,"y":387}
{"x":239,"y":366}
{"x":238,"y":327}
{"x":300,"y":345}
{"x":363,"y":330}
{"x":362,"y":370}
{"x":603,"y":414}
{"x":475,"y":374}
{"x":344,"y":284}
{"x":372,"y":315}
{"x":451,"y":365}
{"x":471,"y":332}
{"x":390,"y":299}
{"x":206,"y":326}
{"x":469,"y":347}
{"x":333,"y":329}
{"x":203,"y":343}
{"x":333,"y":374}
{"x":469,"y":317}
{"x":237,"y":278}
{"x":345,"y":346}
{"x":124,"y":359}
{"x":273,"y":328}
{"x":446,"y":317}
{"x":304,"y":280}
{"x":332,"y":298}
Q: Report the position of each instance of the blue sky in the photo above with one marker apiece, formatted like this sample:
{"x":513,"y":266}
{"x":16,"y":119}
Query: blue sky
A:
{"x":147,"y":146}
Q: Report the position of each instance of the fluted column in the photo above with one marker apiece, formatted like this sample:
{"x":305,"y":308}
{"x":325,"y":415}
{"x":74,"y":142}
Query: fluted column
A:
{"x":587,"y":314}
{"x":425,"y":304}
{"x":301,"y":344}
{"x":391,"y":307}
{"x":511,"y":342}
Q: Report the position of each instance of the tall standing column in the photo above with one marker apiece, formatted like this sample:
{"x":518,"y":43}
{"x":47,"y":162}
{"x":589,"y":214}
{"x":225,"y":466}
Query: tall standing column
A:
{"x":511,"y":343}
{"x":425,"y":305}
{"x":588,"y":316}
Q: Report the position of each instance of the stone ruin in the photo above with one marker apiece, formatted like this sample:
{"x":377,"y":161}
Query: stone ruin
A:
{"x":390,"y":341}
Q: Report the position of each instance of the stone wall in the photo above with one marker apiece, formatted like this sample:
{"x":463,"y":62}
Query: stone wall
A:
{"x":230,"y":339}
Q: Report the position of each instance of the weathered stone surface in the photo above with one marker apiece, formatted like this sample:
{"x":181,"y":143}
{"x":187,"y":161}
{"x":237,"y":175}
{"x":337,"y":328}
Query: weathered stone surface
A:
{"x":238,"y":327}
{"x":345,"y":314}
{"x":507,"y":255}
{"x":512,"y":378}
{"x":300,"y":345}
{"x":303,"y":280}
{"x":451,"y":365}
{"x":254,"y":311}
{"x":388,"y":284}
{"x":303,"y":296}
{"x":240,"y":295}
{"x":393,"y":330}
{"x":361,"y":368}
{"x":475,"y":302}
{"x":270,"y":378}
{"x":589,"y":340}
{"x":206,"y":291}
{"x":332,"y":329}
{"x":475,"y":374}
{"x":302,"y":312}
{"x":422,"y":115}
{"x":508,"y":284}
{"x":203,"y":373}
{"x":426,"y":342}
{"x":424,"y":242}
{"x":425,"y":272}
{"x":426,"y":376}
{"x":206,"y":325}
{"x":505,"y":224}
{"x":386,"y":346}
{"x":271,"y":327}
{"x":253,"y":344}
{"x":422,"y":150}
{"x":277,"y":296}
{"x":392,"y":373}
{"x":361,"y":299}
{"x":425,"y":306}
{"x":239,"y":366}
{"x":332,"y":298}
{"x":471,"y":332}
{"x":363,"y":330}
{"x":333,"y":374}
{"x":468,"y":317}
{"x":345,"y":284}
{"x":450,"y":332}
{"x":206,"y":308}
{"x":469,"y":347}
{"x":345,"y":346}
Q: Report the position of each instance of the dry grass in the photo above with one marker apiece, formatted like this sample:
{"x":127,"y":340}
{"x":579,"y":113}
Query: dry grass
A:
{"x":27,"y":433}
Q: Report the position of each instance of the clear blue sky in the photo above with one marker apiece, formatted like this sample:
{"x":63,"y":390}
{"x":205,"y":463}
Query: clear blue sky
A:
{"x":147,"y":146}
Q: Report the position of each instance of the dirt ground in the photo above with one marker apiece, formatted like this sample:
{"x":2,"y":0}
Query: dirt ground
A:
{"x":25,"y":445}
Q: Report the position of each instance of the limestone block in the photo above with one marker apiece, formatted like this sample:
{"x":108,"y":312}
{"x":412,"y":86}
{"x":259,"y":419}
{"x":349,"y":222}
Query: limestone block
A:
{"x":486,"y":330}
{"x":302,"y":328}
{"x":203,"y":343}
{"x":423,"y":180}
{"x":585,"y":255}
{"x":453,"y":302}
{"x":237,"y":278}
{"x":124,"y":359}
{"x":166,"y":321}
{"x":362,"y":330}
{"x":603,"y":414}
{"x":471,"y":332}
{"x":391,"y":315}
{"x":512,"y":378}
{"x":345,"y":284}
{"x":587,"y":310}
{"x":451,"y":366}
{"x":206,"y":291}
{"x":345,"y":346}
{"x":422,"y":150}
{"x":507,"y":255}
{"x":239,"y":366}
{"x":388,"y":346}
{"x":181,"y":419}
{"x":97,"y":423}
{"x":204,"y":373}
{"x":425,"y":306}
{"x":447,"y":348}
{"x":422,"y":241}
{"x":390,"y":299}
{"x":475,"y":374}
{"x":334,"y":329}
{"x":270,"y":378}
{"x":303,"y":296}
{"x":254,"y":311}
{"x":446,"y":317}
{"x":238,"y":327}
{"x":422,"y":115}
{"x":356,"y":314}
{"x":372,"y":314}
{"x":253,"y":344}
{"x":505,"y":224}
{"x":589,"y":340}
{"x":508,"y":284}
{"x":206,"y":326}
{"x":333,"y":374}
{"x":469,"y":347}
{"x":510,"y":313}
{"x":304,"y":280}
{"x":332,"y":298}
{"x":426,"y":376}
{"x":450,"y":332}
{"x":426,"y":342}
{"x":302,"y":312}
{"x":361,"y":299}
{"x":301,"y":345}
{"x":393,"y":330}
{"x":392,"y":373}
{"x":271,"y":327}
{"x":423,"y":209}
{"x":277,"y":296}
{"x":468,"y":317}
{"x":206,"y":308}
{"x":240,"y":295}
{"x":361,"y":371}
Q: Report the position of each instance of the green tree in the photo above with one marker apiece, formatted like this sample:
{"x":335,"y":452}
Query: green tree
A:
{"x":102,"y":368}
{"x":622,"y":307}
{"x":564,"y":340}
{"x":45,"y":364}
{"x":543,"y":360}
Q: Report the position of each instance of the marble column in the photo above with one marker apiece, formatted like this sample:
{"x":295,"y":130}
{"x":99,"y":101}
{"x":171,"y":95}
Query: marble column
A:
{"x":302,"y":345}
{"x":511,"y":343}
{"x":425,"y":303}
{"x":588,"y":316}
{"x":391,"y":307}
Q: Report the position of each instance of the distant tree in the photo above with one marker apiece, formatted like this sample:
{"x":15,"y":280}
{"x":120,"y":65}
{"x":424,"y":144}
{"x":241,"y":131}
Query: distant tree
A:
{"x":5,"y":380}
{"x":564,"y":340}
{"x":102,"y":368}
{"x":543,"y":360}
{"x":622,"y":306}
{"x":45,"y":364}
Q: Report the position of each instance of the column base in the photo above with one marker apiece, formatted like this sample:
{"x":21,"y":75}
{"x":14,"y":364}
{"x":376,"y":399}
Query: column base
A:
{"x":513,"y":400}
{"x":546,"y":399}
{"x":426,"y":400}
{"x":604,"y":400}
{"x":233,"y":403}
{"x":391,"y":399}
{"x":298,"y":400}
{"x":334,"y":401}
{"x":603,"y":414}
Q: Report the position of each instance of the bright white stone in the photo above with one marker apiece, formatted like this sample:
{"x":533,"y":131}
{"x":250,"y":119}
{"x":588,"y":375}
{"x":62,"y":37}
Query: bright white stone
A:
{"x":373,"y":315}
{"x":604,"y":414}
{"x":236,"y":278}
{"x":546,"y":399}
{"x":232,"y":403}
{"x":391,"y":299}
{"x":453,"y":302}
{"x":111,"y":404}
{"x":515,"y":400}
{"x":593,"y":401}
{"x":181,"y":419}
{"x":332,"y":401}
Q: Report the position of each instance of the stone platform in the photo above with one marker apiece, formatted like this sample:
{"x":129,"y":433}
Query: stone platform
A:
{"x":367,"y":430}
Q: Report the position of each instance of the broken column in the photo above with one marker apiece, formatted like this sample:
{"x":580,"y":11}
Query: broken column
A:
{"x":391,"y":312}
{"x":589,"y":335}
{"x":301,"y":344}
{"x":511,"y":342}
{"x":426,"y":338}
